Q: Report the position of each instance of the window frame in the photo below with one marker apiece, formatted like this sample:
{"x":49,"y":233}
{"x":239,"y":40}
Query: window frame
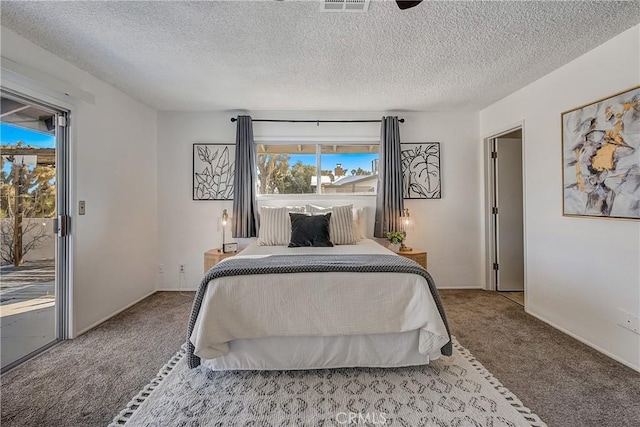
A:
{"x":318,"y":142}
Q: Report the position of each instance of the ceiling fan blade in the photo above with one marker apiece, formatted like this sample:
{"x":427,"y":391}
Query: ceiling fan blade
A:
{"x":407,"y":4}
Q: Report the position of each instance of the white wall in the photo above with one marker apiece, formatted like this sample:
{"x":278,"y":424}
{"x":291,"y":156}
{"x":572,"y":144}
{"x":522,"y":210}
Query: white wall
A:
{"x":449,"y":229}
{"x":579,"y":271}
{"x":114,"y":169}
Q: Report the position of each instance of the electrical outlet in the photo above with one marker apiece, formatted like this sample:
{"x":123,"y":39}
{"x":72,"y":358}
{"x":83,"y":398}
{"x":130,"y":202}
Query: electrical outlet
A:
{"x":629,"y":321}
{"x":161,"y":268}
{"x":181,"y":268}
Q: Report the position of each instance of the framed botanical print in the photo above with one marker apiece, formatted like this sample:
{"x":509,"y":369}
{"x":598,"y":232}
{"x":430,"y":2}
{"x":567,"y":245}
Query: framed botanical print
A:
{"x":421,"y":170}
{"x":213,"y":169}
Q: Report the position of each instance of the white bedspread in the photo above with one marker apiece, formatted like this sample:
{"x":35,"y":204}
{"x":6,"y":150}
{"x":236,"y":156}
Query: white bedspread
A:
{"x":316,"y":304}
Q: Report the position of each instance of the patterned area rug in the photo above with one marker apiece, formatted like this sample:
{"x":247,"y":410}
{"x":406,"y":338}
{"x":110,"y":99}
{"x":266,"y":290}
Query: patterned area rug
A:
{"x":454,"y":391}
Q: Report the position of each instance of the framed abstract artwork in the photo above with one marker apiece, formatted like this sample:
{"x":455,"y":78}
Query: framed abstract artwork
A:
{"x":421,"y":170}
{"x":213,"y":169}
{"x":601,"y":158}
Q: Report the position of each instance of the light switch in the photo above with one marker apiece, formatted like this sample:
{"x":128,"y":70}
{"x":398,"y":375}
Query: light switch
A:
{"x":81,"y":207}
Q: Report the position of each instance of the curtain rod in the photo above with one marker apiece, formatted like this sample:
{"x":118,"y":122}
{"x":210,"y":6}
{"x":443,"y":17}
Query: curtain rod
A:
{"x":233,"y":119}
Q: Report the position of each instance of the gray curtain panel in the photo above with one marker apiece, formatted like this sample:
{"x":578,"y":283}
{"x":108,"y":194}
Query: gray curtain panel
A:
{"x":245,"y":206}
{"x":389,"y":201}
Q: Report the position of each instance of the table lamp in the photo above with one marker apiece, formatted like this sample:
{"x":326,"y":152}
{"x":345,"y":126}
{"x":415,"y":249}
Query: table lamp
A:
{"x":225,"y":220}
{"x":406,"y":224}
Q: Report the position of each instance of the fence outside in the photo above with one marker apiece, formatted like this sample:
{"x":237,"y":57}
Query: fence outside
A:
{"x":46,"y":247}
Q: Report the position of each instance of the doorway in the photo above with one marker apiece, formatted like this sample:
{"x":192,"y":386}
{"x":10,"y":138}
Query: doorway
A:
{"x":506,"y":214}
{"x":34,"y":224}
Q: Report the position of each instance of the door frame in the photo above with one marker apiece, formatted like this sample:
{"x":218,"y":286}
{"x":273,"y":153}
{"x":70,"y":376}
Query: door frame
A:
{"x":489,"y":192}
{"x":44,"y":88}
{"x":64,"y":197}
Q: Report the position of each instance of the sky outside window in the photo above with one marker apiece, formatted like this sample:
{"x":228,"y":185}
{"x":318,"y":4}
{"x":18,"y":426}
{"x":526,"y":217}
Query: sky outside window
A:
{"x":349,"y":162}
{"x":10,"y":135}
{"x":329,"y":161}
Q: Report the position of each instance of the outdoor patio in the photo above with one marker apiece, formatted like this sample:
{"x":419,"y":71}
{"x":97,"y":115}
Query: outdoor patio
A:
{"x":27,"y":308}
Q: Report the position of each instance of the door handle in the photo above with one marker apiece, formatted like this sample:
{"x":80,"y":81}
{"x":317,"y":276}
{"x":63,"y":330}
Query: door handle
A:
{"x":61,"y":225}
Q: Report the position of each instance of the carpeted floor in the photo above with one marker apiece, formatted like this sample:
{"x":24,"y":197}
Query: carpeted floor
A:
{"x":517,"y":297}
{"x":87,"y":381}
{"x":563,"y":381}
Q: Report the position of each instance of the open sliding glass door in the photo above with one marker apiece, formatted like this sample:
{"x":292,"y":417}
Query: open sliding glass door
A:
{"x":34,"y":227}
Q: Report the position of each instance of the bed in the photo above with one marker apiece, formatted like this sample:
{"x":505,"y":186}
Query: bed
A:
{"x":356,"y":305}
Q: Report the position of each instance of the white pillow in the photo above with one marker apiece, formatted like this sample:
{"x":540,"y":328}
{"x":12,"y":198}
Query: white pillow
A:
{"x":275,"y":225}
{"x":359,"y":223}
{"x":341,"y":223}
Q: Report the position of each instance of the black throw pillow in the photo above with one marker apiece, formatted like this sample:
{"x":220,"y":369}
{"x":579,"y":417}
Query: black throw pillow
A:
{"x":309,"y":230}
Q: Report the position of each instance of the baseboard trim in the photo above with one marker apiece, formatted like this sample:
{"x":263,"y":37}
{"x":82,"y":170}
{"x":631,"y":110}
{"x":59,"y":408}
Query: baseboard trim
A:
{"x":176,"y":290}
{"x":584,"y":341}
{"x":461,"y":288}
{"x":104,"y":319}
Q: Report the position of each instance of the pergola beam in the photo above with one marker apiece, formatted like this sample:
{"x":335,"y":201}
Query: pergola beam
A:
{"x":15,"y":110}
{"x":44,"y":156}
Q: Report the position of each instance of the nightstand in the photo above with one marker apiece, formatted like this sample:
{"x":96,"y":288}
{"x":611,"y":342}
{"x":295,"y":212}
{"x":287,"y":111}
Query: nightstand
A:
{"x":214,"y":256}
{"x":417,"y":255}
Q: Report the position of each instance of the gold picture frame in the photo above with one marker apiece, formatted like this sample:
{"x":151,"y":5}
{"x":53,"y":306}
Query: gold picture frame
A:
{"x":601,"y":158}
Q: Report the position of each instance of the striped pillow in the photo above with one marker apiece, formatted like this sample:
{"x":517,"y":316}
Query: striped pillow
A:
{"x":275,"y":225}
{"x":359,"y":223}
{"x":341,"y":224}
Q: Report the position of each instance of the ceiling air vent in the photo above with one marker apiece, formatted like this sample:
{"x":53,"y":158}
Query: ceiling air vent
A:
{"x":344,"y":5}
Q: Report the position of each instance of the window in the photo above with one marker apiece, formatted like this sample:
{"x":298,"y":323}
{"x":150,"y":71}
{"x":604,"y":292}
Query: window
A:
{"x":293,"y":168}
{"x":350,"y":168}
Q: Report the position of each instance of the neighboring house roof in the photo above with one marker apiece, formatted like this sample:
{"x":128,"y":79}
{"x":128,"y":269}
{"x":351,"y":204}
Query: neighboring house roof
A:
{"x":324,"y":180}
{"x":343,"y":180}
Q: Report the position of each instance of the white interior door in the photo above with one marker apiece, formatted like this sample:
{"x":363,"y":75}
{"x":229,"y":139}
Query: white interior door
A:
{"x":509,"y":215}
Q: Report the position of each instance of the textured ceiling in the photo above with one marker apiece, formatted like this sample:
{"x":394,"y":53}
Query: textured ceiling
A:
{"x":287,"y":55}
